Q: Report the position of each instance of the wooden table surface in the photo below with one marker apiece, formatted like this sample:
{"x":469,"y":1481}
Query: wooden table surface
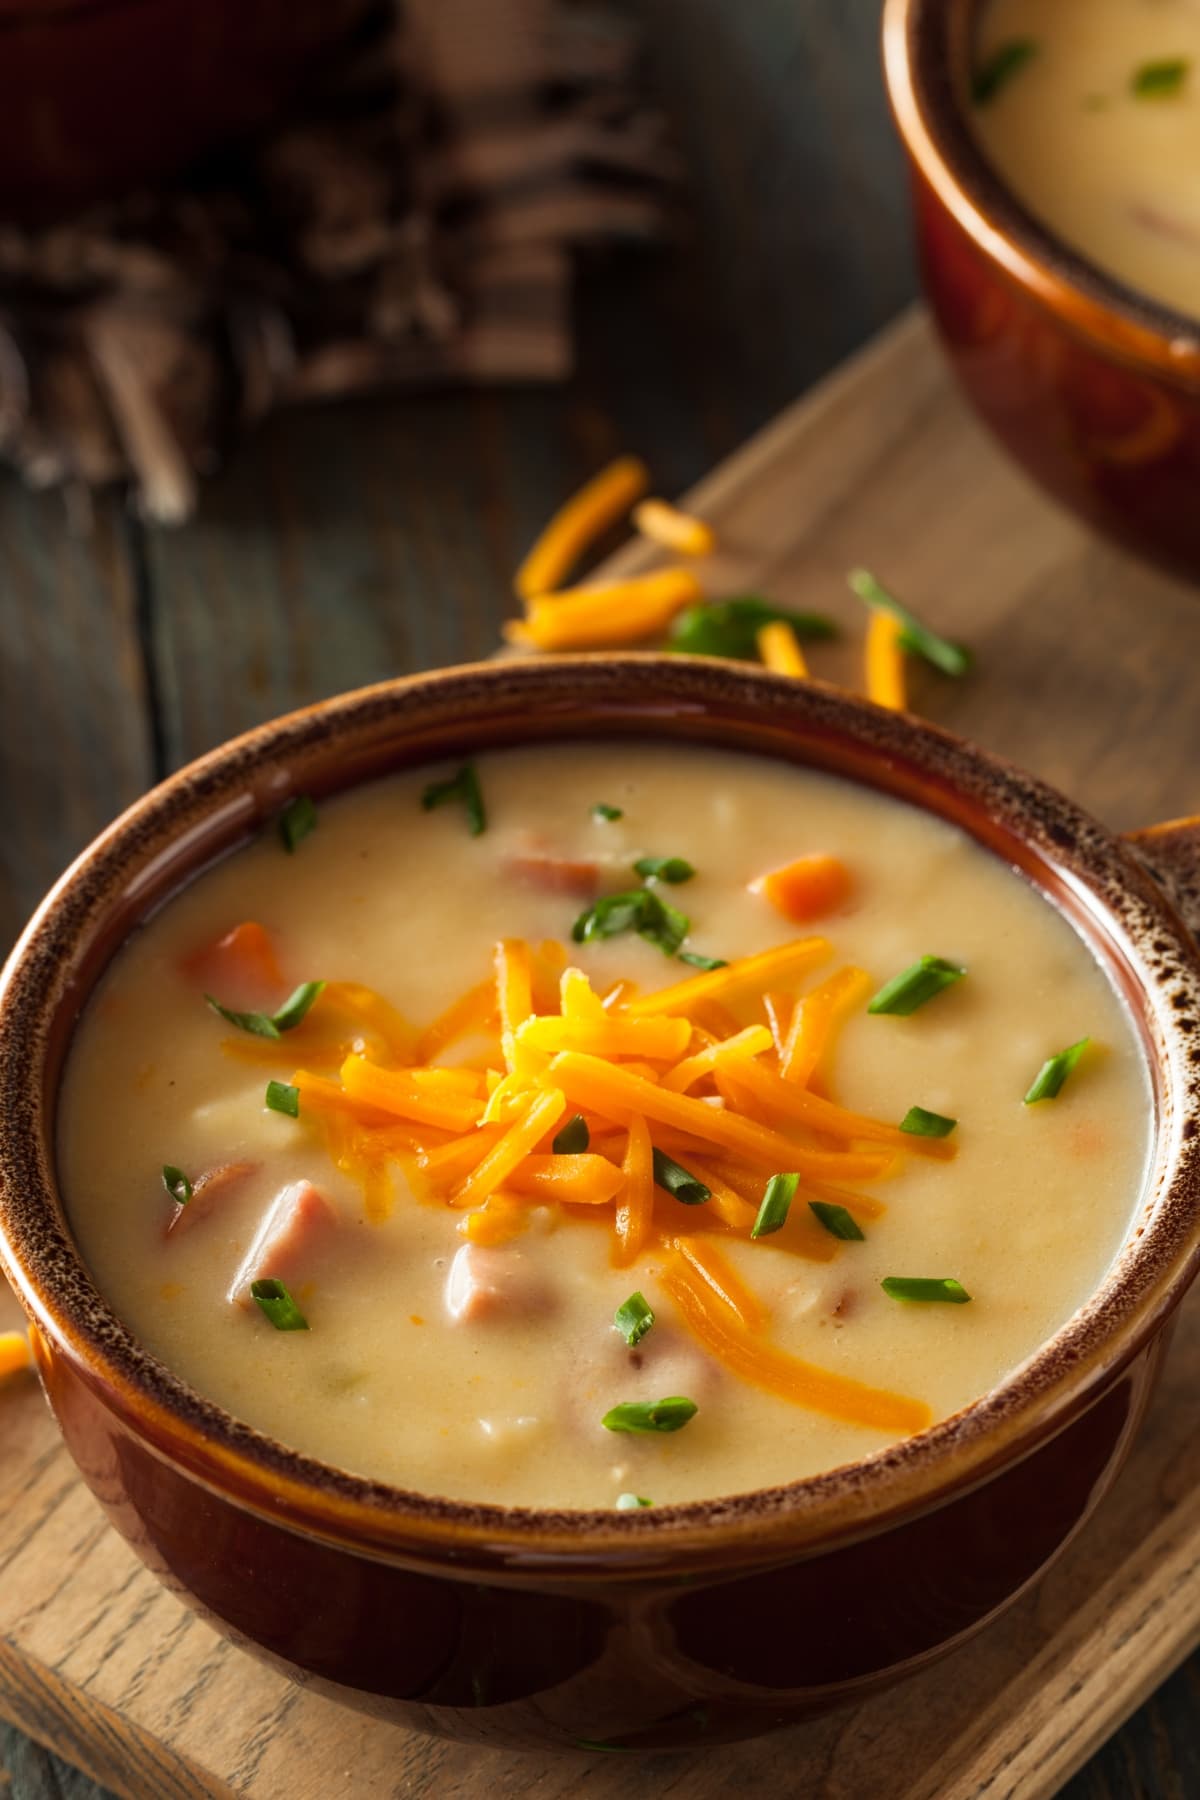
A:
{"x":372,"y":539}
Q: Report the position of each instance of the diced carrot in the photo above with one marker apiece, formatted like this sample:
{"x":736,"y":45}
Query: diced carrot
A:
{"x":635,"y":1204}
{"x":885,"y":661}
{"x":622,"y":612}
{"x":674,"y":529}
{"x":241,"y":968}
{"x":814,"y":1020}
{"x":716,"y":1269}
{"x":765,"y":1366}
{"x":603,"y":500}
{"x":806,"y":889}
{"x":543,"y":1112}
{"x":779,"y":648}
{"x":15,"y":1353}
{"x":749,"y":974}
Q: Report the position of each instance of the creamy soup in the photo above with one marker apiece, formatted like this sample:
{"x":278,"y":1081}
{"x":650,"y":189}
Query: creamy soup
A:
{"x":1090,"y":110}
{"x":466,"y":1196}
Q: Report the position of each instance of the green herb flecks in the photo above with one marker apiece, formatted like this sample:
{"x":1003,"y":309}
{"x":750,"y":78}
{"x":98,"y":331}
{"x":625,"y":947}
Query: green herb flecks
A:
{"x":678,"y":1182}
{"x":649,"y":1416}
{"x":777,"y":1199}
{"x":573,"y":1139}
{"x":951,"y":659}
{"x":641,"y":910}
{"x":914,"y":986}
{"x":271,"y":1025}
{"x":633,"y":1318}
{"x":606,"y":813}
{"x":672,"y":869}
{"x":731,"y":627}
{"x":462,"y":787}
{"x":176,"y":1184}
{"x":1160,"y":80}
{"x":696,"y":961}
{"x":281,"y":1097}
{"x":925,"y":1289}
{"x":297,"y":819}
{"x":277,"y":1304}
{"x":997,"y":70}
{"x":1053,"y":1073}
{"x":837,"y":1221}
{"x":919,"y":1123}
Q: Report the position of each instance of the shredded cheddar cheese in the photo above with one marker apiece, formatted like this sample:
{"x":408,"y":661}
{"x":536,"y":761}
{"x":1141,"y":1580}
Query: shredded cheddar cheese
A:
{"x":15,"y":1353}
{"x":674,"y":529}
{"x":599,"y":618}
{"x":885,"y":661}
{"x":780,"y":649}
{"x":599,"y":504}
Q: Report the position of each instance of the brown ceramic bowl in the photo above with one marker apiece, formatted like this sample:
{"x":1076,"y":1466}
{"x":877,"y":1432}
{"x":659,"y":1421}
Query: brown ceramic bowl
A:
{"x":1093,"y":387}
{"x":683,"y":1625}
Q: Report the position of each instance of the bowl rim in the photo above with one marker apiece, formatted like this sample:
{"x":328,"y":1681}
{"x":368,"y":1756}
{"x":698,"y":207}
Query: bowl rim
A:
{"x":919,"y":55}
{"x":240,"y":787}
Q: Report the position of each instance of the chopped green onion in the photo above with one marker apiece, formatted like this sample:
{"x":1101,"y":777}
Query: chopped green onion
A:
{"x":671,"y":1414}
{"x":678,"y":1182}
{"x":462,"y":786}
{"x":606,"y":813}
{"x":272,"y":1025}
{"x":1054,"y":1071}
{"x":777,"y":1199}
{"x":282,"y":1098}
{"x":672,"y":869}
{"x":996,"y":73}
{"x":925,"y":1288}
{"x":278,"y":1305}
{"x":837,"y":1221}
{"x":707,"y":963}
{"x":633,"y":1318}
{"x":297,"y":819}
{"x":573,"y":1139}
{"x":631,"y":1502}
{"x":731,"y":627}
{"x":920,"y":1123}
{"x":640,"y":910}
{"x":951,"y":659}
{"x":915,"y":985}
{"x":1160,"y":80}
{"x":176,"y":1184}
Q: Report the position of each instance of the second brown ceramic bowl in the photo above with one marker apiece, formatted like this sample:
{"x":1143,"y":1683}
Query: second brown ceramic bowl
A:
{"x":686,"y":1624}
{"x":1094,"y":388}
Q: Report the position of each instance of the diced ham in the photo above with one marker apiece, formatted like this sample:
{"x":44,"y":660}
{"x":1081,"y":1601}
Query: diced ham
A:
{"x":555,"y":875}
{"x":207,"y":1189}
{"x":289,"y":1242}
{"x":493,"y":1282}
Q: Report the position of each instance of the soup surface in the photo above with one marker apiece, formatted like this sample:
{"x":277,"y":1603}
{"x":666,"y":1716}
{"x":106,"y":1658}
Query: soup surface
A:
{"x":1093,"y":119}
{"x":459,"y":1282}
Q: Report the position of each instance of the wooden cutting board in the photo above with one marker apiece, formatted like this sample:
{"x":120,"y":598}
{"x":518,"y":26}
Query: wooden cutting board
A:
{"x":1085,"y":669}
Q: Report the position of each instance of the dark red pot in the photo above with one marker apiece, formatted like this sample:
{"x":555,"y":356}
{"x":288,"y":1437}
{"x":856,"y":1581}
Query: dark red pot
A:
{"x":686,"y":1624}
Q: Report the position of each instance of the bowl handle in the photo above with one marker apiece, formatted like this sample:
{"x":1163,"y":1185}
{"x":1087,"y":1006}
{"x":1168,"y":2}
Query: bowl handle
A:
{"x":1171,"y":852}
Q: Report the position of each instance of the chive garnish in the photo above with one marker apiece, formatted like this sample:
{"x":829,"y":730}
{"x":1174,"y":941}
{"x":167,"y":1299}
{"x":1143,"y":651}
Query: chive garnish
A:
{"x":1160,"y":80}
{"x":633,"y":1318}
{"x":777,"y":1199}
{"x":678,"y":1182}
{"x":925,"y":1288}
{"x":951,"y":659}
{"x":272,"y":1025}
{"x":920,"y":1123}
{"x":297,"y":819}
{"x":606,"y":813}
{"x":176,"y":1184}
{"x":837,"y":1221}
{"x":707,"y":963}
{"x":915,"y":985}
{"x":631,"y":1502}
{"x":672,"y":869}
{"x":731,"y":627}
{"x":278,"y":1305}
{"x":640,"y":910}
{"x":283,"y":1098}
{"x":462,"y":786}
{"x":1054,"y":1071}
{"x":671,"y":1414}
{"x":573,"y":1139}
{"x":996,"y":73}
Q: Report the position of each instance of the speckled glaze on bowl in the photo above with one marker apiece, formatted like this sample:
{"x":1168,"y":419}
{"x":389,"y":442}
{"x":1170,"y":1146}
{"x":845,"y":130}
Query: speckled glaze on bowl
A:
{"x":1093,"y":387}
{"x":687,"y":1624}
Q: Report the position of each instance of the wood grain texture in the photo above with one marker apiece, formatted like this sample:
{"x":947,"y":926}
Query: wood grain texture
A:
{"x":881,"y":465}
